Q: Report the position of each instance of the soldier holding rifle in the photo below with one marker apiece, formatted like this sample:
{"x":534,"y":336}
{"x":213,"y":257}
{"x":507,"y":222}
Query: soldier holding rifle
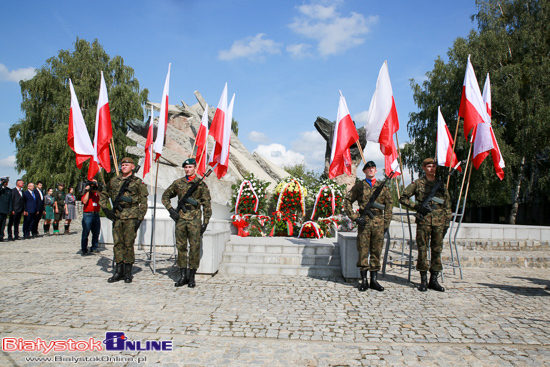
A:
{"x":373,"y":219}
{"x":129,"y":204}
{"x":192,"y":194}
{"x":433,"y":214}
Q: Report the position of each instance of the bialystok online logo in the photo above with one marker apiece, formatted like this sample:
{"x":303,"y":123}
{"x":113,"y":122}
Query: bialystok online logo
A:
{"x":114,"y":341}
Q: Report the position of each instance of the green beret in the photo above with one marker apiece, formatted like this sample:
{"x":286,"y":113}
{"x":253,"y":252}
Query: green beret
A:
{"x":127,"y":160}
{"x":427,"y":161}
{"x":189,"y":161}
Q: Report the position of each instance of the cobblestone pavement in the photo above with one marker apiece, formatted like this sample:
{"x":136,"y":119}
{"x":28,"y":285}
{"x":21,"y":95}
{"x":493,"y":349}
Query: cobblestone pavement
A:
{"x":497,"y":317}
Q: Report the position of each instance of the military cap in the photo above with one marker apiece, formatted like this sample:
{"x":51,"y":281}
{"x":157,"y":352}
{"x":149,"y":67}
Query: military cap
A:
{"x":127,"y":160}
{"x":427,"y":161}
{"x":369,"y":164}
{"x":189,"y":161}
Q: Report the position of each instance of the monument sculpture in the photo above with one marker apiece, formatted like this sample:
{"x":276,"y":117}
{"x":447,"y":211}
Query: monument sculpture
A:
{"x":183,"y":125}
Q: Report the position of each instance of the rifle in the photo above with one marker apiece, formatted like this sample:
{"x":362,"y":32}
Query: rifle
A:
{"x":425,"y":207}
{"x":186,"y":198}
{"x":372,"y":200}
{"x":120,"y":197}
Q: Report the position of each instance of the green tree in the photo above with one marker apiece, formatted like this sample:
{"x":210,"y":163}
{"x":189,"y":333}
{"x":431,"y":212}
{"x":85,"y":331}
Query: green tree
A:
{"x":512,"y":44}
{"x":235,"y":126}
{"x":41,"y":135}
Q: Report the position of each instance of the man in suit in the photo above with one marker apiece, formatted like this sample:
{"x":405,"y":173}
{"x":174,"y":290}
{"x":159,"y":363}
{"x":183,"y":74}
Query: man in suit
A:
{"x":39,"y":194}
{"x":30,"y":210}
{"x":5,"y":204}
{"x":17,"y":206}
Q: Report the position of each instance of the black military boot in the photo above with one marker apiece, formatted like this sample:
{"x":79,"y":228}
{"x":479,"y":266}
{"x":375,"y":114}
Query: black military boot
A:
{"x":128,"y":273}
{"x":423,"y":287}
{"x":364,"y":281}
{"x":191,"y":283}
{"x":373,"y":283}
{"x":434,"y":284}
{"x":184,"y":278}
{"x":118,"y":275}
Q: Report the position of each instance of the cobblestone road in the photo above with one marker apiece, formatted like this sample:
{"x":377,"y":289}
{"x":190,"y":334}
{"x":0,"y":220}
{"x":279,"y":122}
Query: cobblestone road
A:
{"x":497,"y":317}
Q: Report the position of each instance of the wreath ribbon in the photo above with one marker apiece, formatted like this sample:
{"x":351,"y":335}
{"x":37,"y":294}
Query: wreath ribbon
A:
{"x":318,"y":197}
{"x":239,"y":193}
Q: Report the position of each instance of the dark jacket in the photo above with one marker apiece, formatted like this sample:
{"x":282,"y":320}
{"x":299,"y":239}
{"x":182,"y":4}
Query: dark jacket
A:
{"x":30,"y":202}
{"x":39,"y":200}
{"x":17,"y":202}
{"x":5,"y":200}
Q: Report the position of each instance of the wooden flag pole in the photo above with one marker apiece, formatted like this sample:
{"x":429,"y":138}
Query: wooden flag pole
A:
{"x":358,"y":143}
{"x":202,"y":155}
{"x":454,"y":144}
{"x":113,"y":152}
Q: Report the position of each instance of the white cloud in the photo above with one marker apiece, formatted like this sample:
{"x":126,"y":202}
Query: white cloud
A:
{"x":333,"y":32}
{"x":279,"y":155}
{"x":251,"y":47}
{"x":299,"y":50}
{"x":257,"y":137}
{"x":312,"y":146}
{"x":361,"y":118}
{"x":8,"y":162}
{"x":16,"y":75}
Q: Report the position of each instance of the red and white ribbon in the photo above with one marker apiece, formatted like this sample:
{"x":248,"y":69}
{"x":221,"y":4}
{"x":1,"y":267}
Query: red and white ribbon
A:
{"x":315,"y":226}
{"x":332,"y":200}
{"x":239,"y":193}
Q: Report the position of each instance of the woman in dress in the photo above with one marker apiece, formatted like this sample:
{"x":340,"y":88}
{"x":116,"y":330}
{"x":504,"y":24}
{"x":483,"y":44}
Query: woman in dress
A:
{"x":70,"y":209}
{"x":48,"y":208}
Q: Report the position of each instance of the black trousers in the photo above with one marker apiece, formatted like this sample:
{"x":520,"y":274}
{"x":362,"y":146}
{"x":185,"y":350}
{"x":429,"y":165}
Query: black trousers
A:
{"x":28,"y":221}
{"x":13,"y":224}
{"x":37,"y":217}
{"x":3,"y":220}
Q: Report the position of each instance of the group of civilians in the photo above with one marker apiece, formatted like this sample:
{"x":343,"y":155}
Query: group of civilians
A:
{"x":52,"y":206}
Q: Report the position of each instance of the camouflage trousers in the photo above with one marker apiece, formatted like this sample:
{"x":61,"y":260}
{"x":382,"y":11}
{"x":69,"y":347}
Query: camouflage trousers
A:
{"x":188,"y":230}
{"x":427,"y":233}
{"x":124,"y":236}
{"x":370,"y":240}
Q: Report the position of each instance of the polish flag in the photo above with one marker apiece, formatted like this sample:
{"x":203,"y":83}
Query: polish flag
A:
{"x":217,"y":130}
{"x":221,"y":170}
{"x":103,"y":129}
{"x":445,"y":155}
{"x":485,"y":141}
{"x":382,"y":121}
{"x":472,"y":107}
{"x":201,"y":139}
{"x":163,"y":118}
{"x":149,"y":146}
{"x":344,"y":136}
{"x":77,"y":136}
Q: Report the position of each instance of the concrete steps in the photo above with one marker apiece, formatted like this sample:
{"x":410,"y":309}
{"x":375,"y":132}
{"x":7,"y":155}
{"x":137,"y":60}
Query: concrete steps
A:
{"x":281,"y":255}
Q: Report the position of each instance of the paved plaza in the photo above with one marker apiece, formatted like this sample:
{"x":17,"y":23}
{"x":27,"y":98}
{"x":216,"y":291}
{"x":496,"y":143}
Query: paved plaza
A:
{"x":494,"y":317}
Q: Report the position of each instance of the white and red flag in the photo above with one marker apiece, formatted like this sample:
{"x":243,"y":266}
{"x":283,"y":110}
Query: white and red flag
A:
{"x":78,"y":137}
{"x":200,"y":142}
{"x":344,"y":136}
{"x":382,"y":121}
{"x":149,"y":146}
{"x":485,"y":141}
{"x":103,"y":129}
{"x":163,"y":118}
{"x":472,"y":108}
{"x":221,"y":170}
{"x":445,"y":154}
{"x":218,"y":131}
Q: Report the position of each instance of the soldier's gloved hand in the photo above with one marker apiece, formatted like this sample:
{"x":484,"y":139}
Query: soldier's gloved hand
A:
{"x":109,"y":214}
{"x":174,"y":214}
{"x":126,"y":199}
{"x":422,"y":210}
{"x":361,"y":221}
{"x":203,"y":228}
{"x":137,"y":224}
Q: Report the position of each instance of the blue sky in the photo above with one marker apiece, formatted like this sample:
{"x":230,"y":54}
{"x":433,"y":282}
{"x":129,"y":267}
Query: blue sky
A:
{"x":285,"y":60}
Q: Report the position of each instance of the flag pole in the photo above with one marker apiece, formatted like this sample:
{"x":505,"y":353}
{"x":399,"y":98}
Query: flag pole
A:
{"x":454,"y":144}
{"x":113,"y":152}
{"x":358,"y":143}
{"x":152,"y":254}
{"x":406,"y":209}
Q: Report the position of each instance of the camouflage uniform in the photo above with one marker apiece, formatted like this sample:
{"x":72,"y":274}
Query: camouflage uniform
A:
{"x":188,"y":226}
{"x":134,"y":207}
{"x":433,"y":226}
{"x":370,"y":238}
{"x":59,"y":198}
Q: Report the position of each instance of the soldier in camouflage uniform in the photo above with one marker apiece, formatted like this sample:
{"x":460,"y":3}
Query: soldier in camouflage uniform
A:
{"x":431,"y":225}
{"x":370,"y":233}
{"x":59,"y":207}
{"x":127,"y":214}
{"x":188,"y":221}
